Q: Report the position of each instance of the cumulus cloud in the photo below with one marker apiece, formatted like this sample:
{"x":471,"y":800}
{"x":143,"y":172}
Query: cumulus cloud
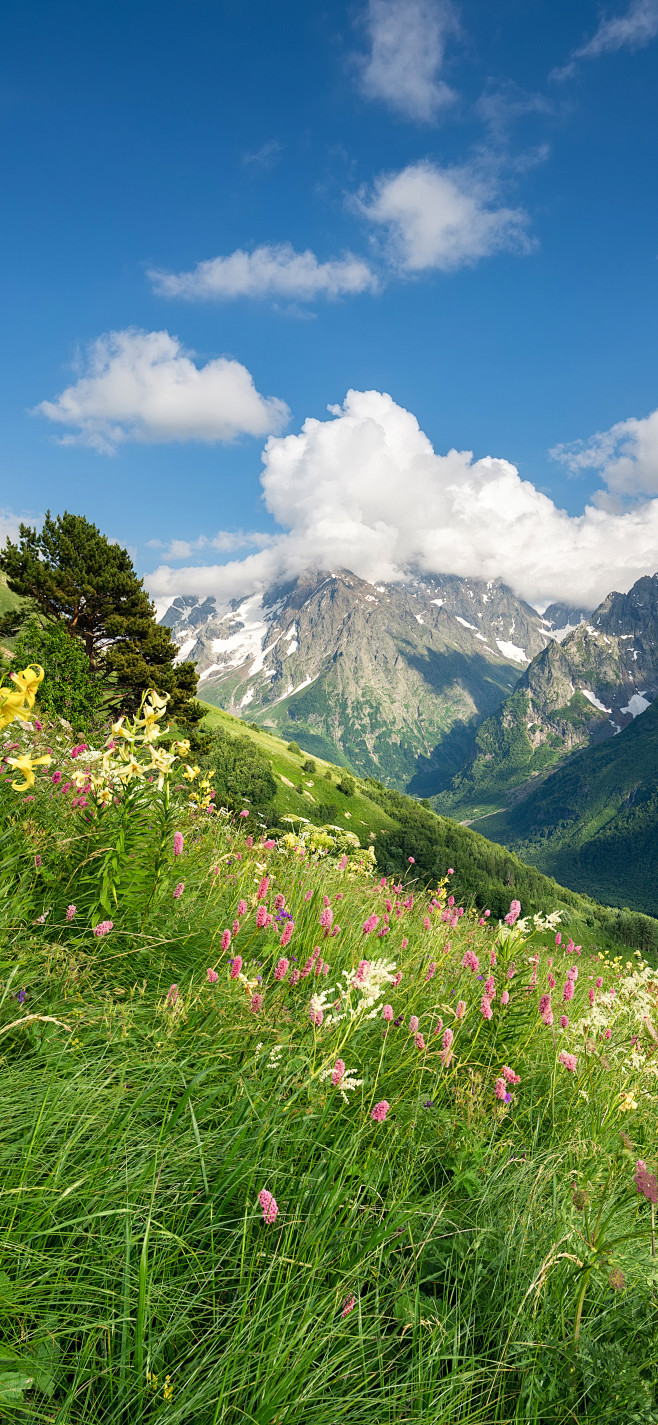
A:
{"x":269,"y":271}
{"x":442,"y":218}
{"x":626,"y":456}
{"x":145,"y":386}
{"x":407,"y":44}
{"x":635,"y":29}
{"x":365,"y":490}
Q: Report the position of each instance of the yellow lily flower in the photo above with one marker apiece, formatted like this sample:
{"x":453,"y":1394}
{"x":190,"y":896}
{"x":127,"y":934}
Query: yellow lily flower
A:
{"x":128,"y":768}
{"x":157,"y":703}
{"x":28,"y":682}
{"x":11,"y":706}
{"x":162,"y":762}
{"x":26,"y":765}
{"x":182,"y":748}
{"x":190,"y":772}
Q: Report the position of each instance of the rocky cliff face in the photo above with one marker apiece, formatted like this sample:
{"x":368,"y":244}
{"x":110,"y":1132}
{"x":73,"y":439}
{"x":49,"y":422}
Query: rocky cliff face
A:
{"x":390,"y":678}
{"x":575,"y":693}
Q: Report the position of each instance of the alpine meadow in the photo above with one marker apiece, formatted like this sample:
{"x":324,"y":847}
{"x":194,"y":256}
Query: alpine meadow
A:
{"x":329,"y":713}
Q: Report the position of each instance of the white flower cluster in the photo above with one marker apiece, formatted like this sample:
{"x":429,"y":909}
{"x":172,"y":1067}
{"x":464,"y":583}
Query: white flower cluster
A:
{"x":347,"y":1083}
{"x":360,"y":995}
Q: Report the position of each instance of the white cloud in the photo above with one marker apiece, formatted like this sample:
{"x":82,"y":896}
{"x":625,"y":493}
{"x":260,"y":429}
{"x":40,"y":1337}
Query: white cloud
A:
{"x":268,"y":271}
{"x":145,"y":386}
{"x":10,"y":523}
{"x":407,"y":42}
{"x":443,"y":218}
{"x":626,"y":456}
{"x":633,"y":30}
{"x":366,"y":491}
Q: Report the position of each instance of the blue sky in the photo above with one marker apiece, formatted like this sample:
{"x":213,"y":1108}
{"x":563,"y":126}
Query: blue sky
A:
{"x":474,"y":186}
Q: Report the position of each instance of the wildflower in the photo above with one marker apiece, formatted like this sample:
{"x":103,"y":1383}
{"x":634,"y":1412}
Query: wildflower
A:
{"x":326,"y":918}
{"x":256,"y":1004}
{"x":580,"y":1199}
{"x":178,"y":890}
{"x":419,"y":1041}
{"x":179,"y":843}
{"x":513,"y":913}
{"x":471,"y":962}
{"x":558,"y":939}
{"x":56,"y":777}
{"x":262,"y":889}
{"x":599,"y":982}
{"x":268,"y":1205}
{"x":396,"y":978}
{"x":490,"y":987}
{"x":511,"y":971}
{"x":172,"y":994}
{"x":71,"y":910}
{"x":544,"y":1004}
{"x":567,"y":992}
{"x":26,"y":765}
{"x":337,"y":1072}
{"x":348,"y":1305}
{"x":461,"y":1006}
{"x":405,"y":942}
{"x":294,"y":977}
{"x":242,"y":908}
{"x":212,"y":976}
{"x":413,"y":1024}
{"x":316,"y":1014}
{"x":485,"y":1008}
{"x":380,"y":1111}
{"x":226,"y":940}
{"x":282,"y":968}
{"x":569,"y":1060}
{"x":244,"y":812}
{"x":235,"y":928}
{"x":388,"y":1012}
{"x":627,"y":1103}
{"x":236,"y":967}
{"x":509,"y":1074}
{"x":500,"y":1089}
{"x":370,"y":924}
{"x":103,"y":927}
{"x":551,"y":982}
{"x":430,"y":970}
{"x":504,"y":998}
{"x":448,"y":1037}
{"x":363,"y":970}
{"x":412,"y":860}
{"x":645,"y":1181}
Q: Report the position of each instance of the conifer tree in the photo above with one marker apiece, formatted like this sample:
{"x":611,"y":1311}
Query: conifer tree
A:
{"x":68,"y":572}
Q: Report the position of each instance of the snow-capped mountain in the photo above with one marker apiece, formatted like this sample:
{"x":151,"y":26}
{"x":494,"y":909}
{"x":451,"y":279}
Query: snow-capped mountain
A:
{"x":391,"y":678}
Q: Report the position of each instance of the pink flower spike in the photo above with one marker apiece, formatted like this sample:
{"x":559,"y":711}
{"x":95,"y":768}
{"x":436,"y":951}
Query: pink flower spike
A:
{"x":380,"y":1111}
{"x":179,"y":843}
{"x":256,"y":1004}
{"x":71,"y":911}
{"x":504,"y":998}
{"x":412,"y":860}
{"x":179,"y":890}
{"x":242,"y":908}
{"x":419,"y":1041}
{"x":261,"y":917}
{"x":337,"y":1072}
{"x":388,"y":1012}
{"x":564,"y":1021}
{"x":172,"y":994}
{"x":226,"y":940}
{"x":461,"y":1006}
{"x":569,"y":1060}
{"x":268,"y":1205}
{"x":236,"y":967}
{"x":56,"y":777}
{"x":244,"y":812}
{"x":413,"y":1024}
{"x":509,"y":1074}
{"x":448,"y":1037}
{"x":348,"y":1305}
{"x":212,"y":976}
{"x":430,"y":970}
{"x":485,"y":1008}
{"x":500,"y":1089}
{"x":103,"y":927}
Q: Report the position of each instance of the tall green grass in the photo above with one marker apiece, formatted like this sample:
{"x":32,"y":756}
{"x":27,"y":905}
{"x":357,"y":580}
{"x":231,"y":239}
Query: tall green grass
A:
{"x":139,"y":1281}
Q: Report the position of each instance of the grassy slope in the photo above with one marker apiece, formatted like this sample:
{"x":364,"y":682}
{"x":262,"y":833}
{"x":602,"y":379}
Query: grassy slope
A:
{"x":489,"y":874}
{"x":594,"y":822}
{"x":358,"y":813}
{"x":422,"y":1269}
